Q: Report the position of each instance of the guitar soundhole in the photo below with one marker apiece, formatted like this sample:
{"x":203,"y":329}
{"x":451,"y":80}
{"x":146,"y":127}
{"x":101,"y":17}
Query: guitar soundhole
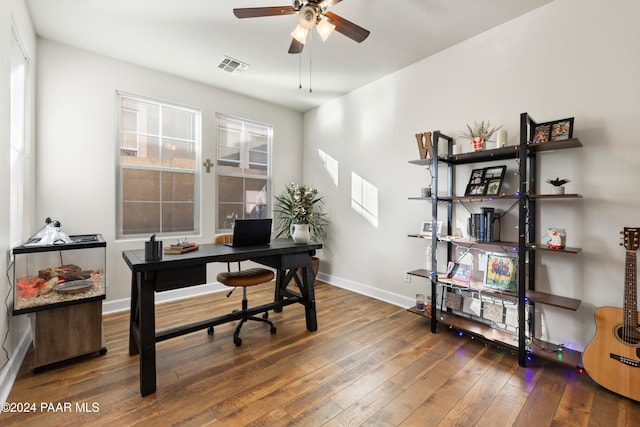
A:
{"x":628,"y":334}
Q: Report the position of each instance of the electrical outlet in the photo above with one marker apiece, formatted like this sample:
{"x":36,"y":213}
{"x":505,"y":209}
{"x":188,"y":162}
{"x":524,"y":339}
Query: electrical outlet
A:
{"x":407,"y":278}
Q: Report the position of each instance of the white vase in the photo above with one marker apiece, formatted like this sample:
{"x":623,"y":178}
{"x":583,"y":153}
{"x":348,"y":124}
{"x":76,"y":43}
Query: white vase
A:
{"x":301,"y":233}
{"x":557,"y":189}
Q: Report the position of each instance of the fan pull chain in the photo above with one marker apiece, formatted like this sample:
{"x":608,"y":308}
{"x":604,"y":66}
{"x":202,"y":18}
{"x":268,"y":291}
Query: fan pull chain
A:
{"x":310,"y":55}
{"x":300,"y":70}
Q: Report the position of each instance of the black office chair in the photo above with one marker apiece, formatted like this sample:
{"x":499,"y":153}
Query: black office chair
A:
{"x":243,"y":278}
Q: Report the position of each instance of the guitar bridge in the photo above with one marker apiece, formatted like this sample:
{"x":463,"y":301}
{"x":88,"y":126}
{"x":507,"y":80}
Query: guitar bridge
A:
{"x":625,"y":360}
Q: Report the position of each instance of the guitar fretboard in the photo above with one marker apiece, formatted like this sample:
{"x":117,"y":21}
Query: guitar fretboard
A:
{"x":630,"y":305}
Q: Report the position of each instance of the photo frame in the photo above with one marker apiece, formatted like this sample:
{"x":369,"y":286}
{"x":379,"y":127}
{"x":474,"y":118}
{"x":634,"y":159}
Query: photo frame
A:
{"x":561,"y":129}
{"x":426,"y":228}
{"x":556,"y":130}
{"x":457,"y":271}
{"x":487,"y":181}
{"x":541,"y":133}
{"x":501,"y":272}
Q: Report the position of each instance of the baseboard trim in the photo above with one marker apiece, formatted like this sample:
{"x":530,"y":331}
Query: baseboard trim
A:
{"x":10,"y":371}
{"x":370,"y":291}
{"x":360,"y":288}
{"x":124,"y":304}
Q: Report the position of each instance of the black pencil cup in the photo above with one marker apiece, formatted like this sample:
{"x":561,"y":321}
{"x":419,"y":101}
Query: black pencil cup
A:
{"x":153,"y":250}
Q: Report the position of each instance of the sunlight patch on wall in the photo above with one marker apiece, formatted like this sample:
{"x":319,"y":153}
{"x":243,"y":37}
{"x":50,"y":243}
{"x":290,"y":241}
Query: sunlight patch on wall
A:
{"x":331,"y":165}
{"x":364,"y":198}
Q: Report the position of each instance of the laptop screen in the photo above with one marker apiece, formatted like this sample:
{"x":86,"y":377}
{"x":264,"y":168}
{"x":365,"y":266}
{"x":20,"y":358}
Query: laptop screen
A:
{"x":251,"y":232}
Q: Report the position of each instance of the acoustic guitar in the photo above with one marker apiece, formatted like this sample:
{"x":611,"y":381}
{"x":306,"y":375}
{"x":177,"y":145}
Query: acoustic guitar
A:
{"x":612,"y":358}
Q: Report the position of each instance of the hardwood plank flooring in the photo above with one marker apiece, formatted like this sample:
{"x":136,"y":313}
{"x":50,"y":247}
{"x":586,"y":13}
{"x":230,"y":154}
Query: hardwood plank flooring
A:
{"x":368,"y":364}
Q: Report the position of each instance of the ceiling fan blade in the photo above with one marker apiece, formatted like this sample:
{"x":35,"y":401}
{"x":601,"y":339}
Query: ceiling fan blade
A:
{"x":296,"y":46}
{"x":328,"y":3}
{"x":256,"y":12}
{"x":348,"y":28}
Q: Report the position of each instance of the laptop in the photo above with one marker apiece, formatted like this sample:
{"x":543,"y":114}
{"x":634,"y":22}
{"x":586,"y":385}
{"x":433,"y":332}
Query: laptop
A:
{"x":251,"y":232}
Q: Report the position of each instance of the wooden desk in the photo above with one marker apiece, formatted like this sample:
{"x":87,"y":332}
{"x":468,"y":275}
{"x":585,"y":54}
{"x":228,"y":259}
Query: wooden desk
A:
{"x":179,"y":271}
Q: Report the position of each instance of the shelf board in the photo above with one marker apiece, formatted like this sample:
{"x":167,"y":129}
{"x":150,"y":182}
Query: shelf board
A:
{"x":567,"y":357}
{"x":555,"y":145}
{"x":555,"y":196}
{"x":504,"y":153}
{"x":478,"y":198}
{"x":544,"y":247}
{"x":421,"y":272}
{"x":498,"y":197}
{"x":512,"y":246}
{"x":421,"y":162}
{"x":488,"y":245}
{"x":478,"y":329}
{"x":554,"y":300}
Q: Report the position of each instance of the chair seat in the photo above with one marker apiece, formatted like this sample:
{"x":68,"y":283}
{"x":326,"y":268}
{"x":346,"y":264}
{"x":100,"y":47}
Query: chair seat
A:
{"x":249,"y":277}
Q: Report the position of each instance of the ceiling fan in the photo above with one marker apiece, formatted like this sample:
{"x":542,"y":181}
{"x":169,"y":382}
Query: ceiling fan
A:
{"x":310,"y":14}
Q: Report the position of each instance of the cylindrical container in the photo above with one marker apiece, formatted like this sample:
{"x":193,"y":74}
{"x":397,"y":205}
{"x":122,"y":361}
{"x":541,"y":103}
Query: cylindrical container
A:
{"x":420,"y":300}
{"x":153,"y":250}
{"x":502,"y":138}
{"x":478,"y":143}
{"x":426,"y":192}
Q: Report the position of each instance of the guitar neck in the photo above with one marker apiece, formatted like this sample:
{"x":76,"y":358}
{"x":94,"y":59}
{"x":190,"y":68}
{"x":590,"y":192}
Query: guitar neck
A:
{"x":630,"y":306}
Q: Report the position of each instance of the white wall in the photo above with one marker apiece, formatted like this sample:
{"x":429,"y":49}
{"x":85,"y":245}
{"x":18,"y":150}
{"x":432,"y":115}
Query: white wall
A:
{"x":77,"y":142}
{"x":570,"y":58}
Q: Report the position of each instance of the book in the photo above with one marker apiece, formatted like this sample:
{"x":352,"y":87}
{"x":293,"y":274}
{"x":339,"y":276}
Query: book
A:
{"x":182,"y":248}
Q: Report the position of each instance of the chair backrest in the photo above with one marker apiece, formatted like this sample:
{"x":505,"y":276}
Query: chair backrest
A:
{"x":221,"y":239}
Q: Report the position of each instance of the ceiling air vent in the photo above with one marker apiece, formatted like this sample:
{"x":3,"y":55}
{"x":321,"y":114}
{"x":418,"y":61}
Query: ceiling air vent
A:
{"x":232,"y":66}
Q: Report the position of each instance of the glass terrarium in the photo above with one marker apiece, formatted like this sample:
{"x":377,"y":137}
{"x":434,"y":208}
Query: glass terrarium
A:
{"x":59,"y":274}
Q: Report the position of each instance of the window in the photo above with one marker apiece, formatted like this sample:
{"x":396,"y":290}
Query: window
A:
{"x":243,"y":170}
{"x":19,"y":151}
{"x":159,"y":180}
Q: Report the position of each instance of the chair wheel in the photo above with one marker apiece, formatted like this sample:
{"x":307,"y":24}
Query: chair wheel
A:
{"x":265,"y":315}
{"x":210,"y":330}
{"x":273,"y":330}
{"x":237,"y":342}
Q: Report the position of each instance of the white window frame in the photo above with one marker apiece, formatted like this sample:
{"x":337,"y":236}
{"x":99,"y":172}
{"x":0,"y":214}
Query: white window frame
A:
{"x":19,"y":147}
{"x":244,"y":161}
{"x":160,"y":167}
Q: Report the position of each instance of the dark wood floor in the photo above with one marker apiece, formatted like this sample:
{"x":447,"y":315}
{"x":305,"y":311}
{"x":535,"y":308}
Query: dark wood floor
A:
{"x":369,"y":363}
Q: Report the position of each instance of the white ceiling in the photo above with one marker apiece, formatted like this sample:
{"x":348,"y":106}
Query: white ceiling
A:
{"x":189,"y":38}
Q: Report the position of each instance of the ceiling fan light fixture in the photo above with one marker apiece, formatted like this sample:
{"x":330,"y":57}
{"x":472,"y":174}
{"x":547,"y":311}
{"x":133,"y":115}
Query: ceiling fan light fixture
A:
{"x":325,"y":29}
{"x":300,"y":34}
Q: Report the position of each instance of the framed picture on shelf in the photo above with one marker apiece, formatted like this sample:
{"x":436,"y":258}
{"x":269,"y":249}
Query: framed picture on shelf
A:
{"x":541,"y":133}
{"x":501,"y":272}
{"x":427,"y":228}
{"x":493,"y":187}
{"x":561,"y":129}
{"x":459,"y":271}
{"x":487,"y":181}
{"x":556,"y":130}
{"x":475,"y":187}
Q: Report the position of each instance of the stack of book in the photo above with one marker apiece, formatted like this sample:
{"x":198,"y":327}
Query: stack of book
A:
{"x":181,"y":248}
{"x":485,"y":226}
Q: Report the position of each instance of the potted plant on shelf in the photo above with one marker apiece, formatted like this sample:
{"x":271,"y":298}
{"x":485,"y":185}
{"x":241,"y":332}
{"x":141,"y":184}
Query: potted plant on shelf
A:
{"x":299,"y":216}
{"x":557,"y":185}
{"x":479,"y":133}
